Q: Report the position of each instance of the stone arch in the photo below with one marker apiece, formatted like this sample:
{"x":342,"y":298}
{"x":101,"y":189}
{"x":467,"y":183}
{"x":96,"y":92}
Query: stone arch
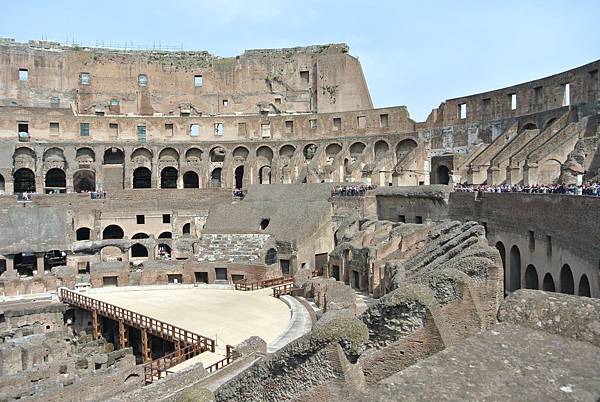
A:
{"x":113,"y":232}
{"x":24,"y":181}
{"x":271,"y":256}
{"x":113,"y":156}
{"x":264,"y":175}
{"x":549,"y":171}
{"x":549,"y":122}
{"x":584,"y":286}
{"x":404,"y":148}
{"x":24,"y":158}
{"x":548,"y":283}
{"x":165,"y":235}
{"x":567,"y":284}
{"x":357,"y":149}
{"x":529,"y":126}
{"x":55,"y":179}
{"x":142,"y":178}
{"x":140,"y":235}
{"x":531,"y":278}
{"x":169,"y":155}
{"x":111,"y":253}
{"x":264,"y":152}
{"x":84,"y":181}
{"x":83,"y":233}
{"x":193,"y":156}
{"x":54,"y":157}
{"x":163,"y":251}
{"x":141,"y":157}
{"x":239,"y":177}
{"x":191,"y":179}
{"x":240,"y":154}
{"x":287,"y":151}
{"x":309,"y":151}
{"x":333,"y":149}
{"x":168,"y":177}
{"x":186,"y":229}
{"x":380,"y":149}
{"x":85,"y":156}
{"x":138,"y":251}
{"x":217,"y":154}
{"x":515,"y":269}
{"x":215,"y":177}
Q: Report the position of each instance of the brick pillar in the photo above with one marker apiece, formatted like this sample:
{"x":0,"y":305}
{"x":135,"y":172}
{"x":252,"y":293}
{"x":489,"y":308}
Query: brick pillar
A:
{"x":40,"y":264}
{"x":146,"y":350}
{"x":10,"y":262}
{"x":96,"y":325}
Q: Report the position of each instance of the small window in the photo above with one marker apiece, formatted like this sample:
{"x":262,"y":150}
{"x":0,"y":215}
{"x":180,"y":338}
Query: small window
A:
{"x":383,"y":120}
{"x":361,"y":121}
{"x":169,"y":129}
{"x":194,"y":130}
{"x":487,"y":105}
{"x":265,"y":130}
{"x":23,"y":74}
{"x":225,"y":103}
{"x":166,"y":218}
{"x":462,"y":110}
{"x":142,"y":80}
{"x":100,"y":113}
{"x":538,"y":94}
{"x":402,"y":218}
{"x":84,"y":79}
{"x":549,"y":246}
{"x":221,"y":274}
{"x":184,"y":113}
{"x":141,"y":133}
{"x":242,"y":129}
{"x":140,"y":219}
{"x":418,"y":219}
{"x":566,"y":94}
{"x":23,"y":128}
{"x":218,"y":129}
{"x":337,"y":123}
{"x":198,"y":81}
{"x":312,"y":123}
{"x":114,"y":128}
{"x":531,"y":240}
{"x":264,"y":223}
{"x":54,"y":127}
{"x":278,"y":101}
{"x":513,"y":101}
{"x":84,"y":129}
{"x":54,"y":101}
{"x":114,"y":102}
{"x":305,"y":76}
{"x":289,"y":126}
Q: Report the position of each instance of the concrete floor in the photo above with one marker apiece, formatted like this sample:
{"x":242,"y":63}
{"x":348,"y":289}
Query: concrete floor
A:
{"x":228,"y":316}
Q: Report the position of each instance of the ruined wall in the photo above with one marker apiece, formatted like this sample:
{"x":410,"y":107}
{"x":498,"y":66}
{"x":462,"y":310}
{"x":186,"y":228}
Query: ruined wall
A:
{"x":412,"y":204}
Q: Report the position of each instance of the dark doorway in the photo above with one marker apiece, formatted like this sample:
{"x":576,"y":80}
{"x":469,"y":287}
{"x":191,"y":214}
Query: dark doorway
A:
{"x":215,"y":178}
{"x":567,"y":284}
{"x":239,"y":177}
{"x":175,"y":278}
{"x":55,"y":180}
{"x":191,"y":180}
{"x":335,"y":272}
{"x":321,"y":262}
{"x":54,"y":258}
{"x":112,"y":232}
{"x":84,"y":181}
{"x":548,"y":284}
{"x":168,"y":177}
{"x":531,"y":278}
{"x":25,"y":263}
{"x":221,"y":274}
{"x":201,"y":277}
{"x":114,"y":156}
{"x":186,"y":229}
{"x":515,"y":269}
{"x":24,"y":181}
{"x":355,"y":280}
{"x":443,"y":175}
{"x":285,"y":267}
{"x":83,"y":234}
{"x":142,"y":178}
{"x":139,"y":251}
{"x":584,"y":287}
{"x":237,"y":278}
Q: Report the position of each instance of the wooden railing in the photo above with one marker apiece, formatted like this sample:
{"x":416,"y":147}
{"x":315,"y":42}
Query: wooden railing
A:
{"x":223,"y":362}
{"x":151,"y":325}
{"x":284,"y":289}
{"x":155,"y":369}
{"x":265,"y":283}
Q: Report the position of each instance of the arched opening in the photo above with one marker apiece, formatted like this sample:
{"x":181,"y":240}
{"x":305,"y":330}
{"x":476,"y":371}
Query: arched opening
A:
{"x":186,"y":229}
{"x":113,"y":156}
{"x":584,"y":286}
{"x":163,"y":252}
{"x":2,"y":184}
{"x":55,"y":181}
{"x":25,"y":264}
{"x":264,"y":223}
{"x":239,"y":177}
{"x":83,"y":234}
{"x":193,"y":156}
{"x":54,"y":258}
{"x":142,"y":178}
{"x":531,"y":278}
{"x":309,"y":151}
{"x":264,"y":175}
{"x":217,"y":154}
{"x":240,"y":154}
{"x":404,"y":148}
{"x":264,"y":152}
{"x":85,"y":156}
{"x":140,"y":235}
{"x":529,"y":126}
{"x":191,"y":180}
{"x":549,"y":171}
{"x":111,"y":253}
{"x":139,"y":251}
{"x":502,"y":251}
{"x":515,"y":269}
{"x":549,"y":122}
{"x":380,"y":149}
{"x":24,"y":181}
{"x":548,"y":283}
{"x":271,"y":256}
{"x":112,"y":232}
{"x":84,"y":181}
{"x":567,"y":284}
{"x":168,"y":177}
{"x":287,"y":151}
{"x":165,"y":235}
{"x":215,"y":178}
{"x":443,"y":175}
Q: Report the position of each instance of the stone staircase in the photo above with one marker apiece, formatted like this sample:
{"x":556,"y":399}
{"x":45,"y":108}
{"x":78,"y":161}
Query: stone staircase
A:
{"x":237,"y":248}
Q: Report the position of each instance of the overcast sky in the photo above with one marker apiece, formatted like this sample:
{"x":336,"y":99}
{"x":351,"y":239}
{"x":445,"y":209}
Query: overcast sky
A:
{"x":414,"y":53}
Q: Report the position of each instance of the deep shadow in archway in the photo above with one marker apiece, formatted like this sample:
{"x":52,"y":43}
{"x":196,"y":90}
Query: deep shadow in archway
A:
{"x":584,"y":286}
{"x":548,"y":284}
{"x":567,"y":284}
{"x":531,"y":278}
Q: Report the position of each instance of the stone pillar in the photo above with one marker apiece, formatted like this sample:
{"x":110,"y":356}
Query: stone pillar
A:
{"x":530,"y":174}
{"x":493,"y":176}
{"x":146,"y":350}
{"x":155,"y":171}
{"x":40,"y":263}
{"x":96,"y":325}
{"x":123,"y":335}
{"x":10,"y":262}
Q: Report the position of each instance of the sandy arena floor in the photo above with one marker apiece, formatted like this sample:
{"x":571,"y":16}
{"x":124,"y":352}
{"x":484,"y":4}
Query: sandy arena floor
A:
{"x":228,"y":316}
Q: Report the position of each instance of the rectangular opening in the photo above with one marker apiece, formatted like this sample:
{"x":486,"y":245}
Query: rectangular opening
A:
{"x":174,"y":278}
{"x":384,"y":120}
{"x":54,"y":127}
{"x":198,"y":80}
{"x":335,"y":272}
{"x":237,"y":278}
{"x":487,"y":106}
{"x":84,"y":129}
{"x":289,"y":126}
{"x":462,"y":110}
{"x":218,"y":129}
{"x":114,"y":102}
{"x":225,"y":103}
{"x":337,"y":123}
{"x":169,"y":128}
{"x":593,"y":78}
{"x":184,"y":113}
{"x":140,"y":219}
{"x":54,"y":101}
{"x":285,"y":267}
{"x":23,"y":128}
{"x":513,"y":101}
{"x":166,"y":218}
{"x":265,"y":130}
{"x":23,"y":74}
{"x":312,"y":123}
{"x":305,"y":76}
{"x":531,"y":237}
{"x":114,"y":129}
{"x":141,"y":133}
{"x":566,"y":94}
{"x":361,"y":121}
{"x":194,"y":130}
{"x":84,"y":79}
{"x":402,"y":218}
{"x":418,"y":219}
{"x":537,"y":95}
{"x":142,"y":80}
{"x":100,"y":113}
{"x":221,"y":274}
{"x":242,"y":129}
{"x":83,"y":267}
{"x":201,"y":277}
{"x":109,"y":281}
{"x":278,"y":101}
{"x":549,"y":246}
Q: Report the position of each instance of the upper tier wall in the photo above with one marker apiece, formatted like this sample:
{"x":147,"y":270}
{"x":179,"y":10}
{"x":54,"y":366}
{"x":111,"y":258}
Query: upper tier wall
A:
{"x":317,"y":78}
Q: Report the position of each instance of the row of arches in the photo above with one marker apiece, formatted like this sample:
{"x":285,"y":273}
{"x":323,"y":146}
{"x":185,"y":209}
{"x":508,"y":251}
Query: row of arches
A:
{"x":115,"y":232}
{"x":55,"y":179}
{"x":532,"y":280}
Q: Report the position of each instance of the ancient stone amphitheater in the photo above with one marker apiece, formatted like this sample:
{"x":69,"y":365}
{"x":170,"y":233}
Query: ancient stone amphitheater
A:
{"x":178,"y":226}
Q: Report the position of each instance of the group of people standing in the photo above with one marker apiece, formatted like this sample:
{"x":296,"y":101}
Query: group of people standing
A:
{"x":591,"y":189}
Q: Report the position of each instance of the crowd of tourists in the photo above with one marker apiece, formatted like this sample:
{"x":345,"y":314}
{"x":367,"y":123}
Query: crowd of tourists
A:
{"x":351,"y":190}
{"x":591,"y":189}
{"x":239,"y":193}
